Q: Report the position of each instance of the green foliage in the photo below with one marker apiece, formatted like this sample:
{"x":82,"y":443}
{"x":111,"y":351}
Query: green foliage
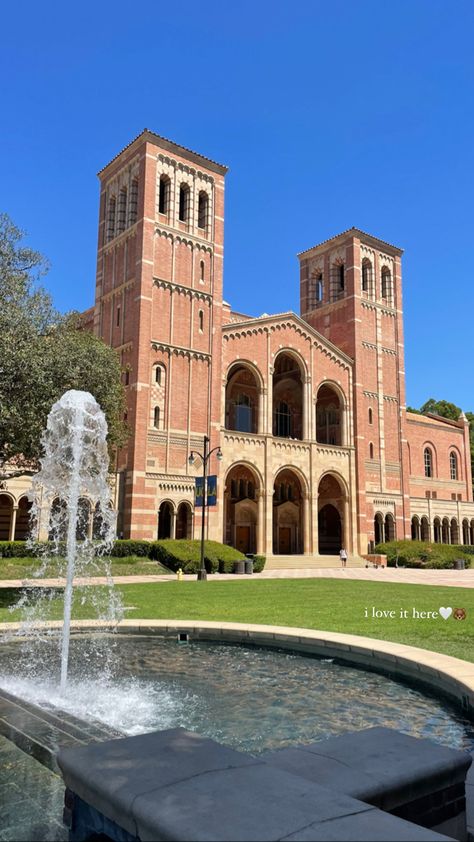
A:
{"x":258,"y":563}
{"x":43,"y":354}
{"x":423,"y":554}
{"x":127,"y":548}
{"x":187,"y":555}
{"x":443,"y":408}
{"x":18,"y":549}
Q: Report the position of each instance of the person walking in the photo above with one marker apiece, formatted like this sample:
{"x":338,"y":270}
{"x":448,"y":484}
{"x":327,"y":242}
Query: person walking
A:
{"x":343,"y":557}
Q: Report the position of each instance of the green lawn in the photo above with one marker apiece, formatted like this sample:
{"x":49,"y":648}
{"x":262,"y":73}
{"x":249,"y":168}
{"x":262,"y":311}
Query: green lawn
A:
{"x":23,"y":568}
{"x":310,"y":603}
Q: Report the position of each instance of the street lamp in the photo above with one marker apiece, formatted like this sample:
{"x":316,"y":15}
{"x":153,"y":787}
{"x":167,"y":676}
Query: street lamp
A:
{"x":202,"y":575}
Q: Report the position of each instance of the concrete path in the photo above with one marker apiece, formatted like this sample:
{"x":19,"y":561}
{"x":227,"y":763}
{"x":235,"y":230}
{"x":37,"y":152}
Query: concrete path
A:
{"x":444,"y":578}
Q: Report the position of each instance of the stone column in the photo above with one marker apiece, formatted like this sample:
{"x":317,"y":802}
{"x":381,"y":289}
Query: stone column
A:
{"x":173,"y":524}
{"x":269,"y":523}
{"x":306,"y":529}
{"x":315,"y":525}
{"x":90,"y":523}
{"x":13,"y":524}
{"x":346,"y":529}
{"x":305,"y":391}
{"x":260,"y":420}
{"x":260,"y":523}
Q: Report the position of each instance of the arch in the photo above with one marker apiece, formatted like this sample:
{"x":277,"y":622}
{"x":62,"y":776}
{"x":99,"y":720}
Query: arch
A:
{"x":58,"y":520}
{"x":338,"y":280}
{"x":330,"y":414}
{"x":203,"y":210}
{"x":465,"y":531}
{"x":332,"y":529}
{"x":379,"y":528}
{"x":184,"y":202}
{"x":288,"y":491}
{"x":386,"y":285}
{"x":428,"y":462}
{"x":367,"y":278}
{"x":445,"y":531}
{"x":164,"y":194}
{"x":243,"y":484}
{"x":184,"y":520}
{"x":166,"y":515}
{"x":437,"y":531}
{"x":389,"y":527}
{"x":156,"y":417}
{"x":454,"y":463}
{"x":83,"y":519}
{"x":454,"y":531}
{"x":288,"y":395}
{"x":242,"y":398}
{"x":415,"y":528}
{"x":22,"y":525}
{"x":159,"y":374}
{"x":425,"y":529}
{"x":6,"y":515}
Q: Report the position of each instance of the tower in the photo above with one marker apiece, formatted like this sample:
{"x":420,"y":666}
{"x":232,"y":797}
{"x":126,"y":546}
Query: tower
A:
{"x":159,"y":303}
{"x":351,"y":292}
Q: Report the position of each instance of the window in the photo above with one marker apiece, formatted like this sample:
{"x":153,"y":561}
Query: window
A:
{"x":164,"y":195}
{"x":111,"y":219}
{"x":183,"y":203}
{"x":371,"y":451}
{"x":118,"y":317}
{"x":370,"y":416}
{"x":133,"y":207}
{"x":122,"y":210}
{"x":158,"y":375}
{"x":283,"y":420}
{"x":319,"y":290}
{"x":201,"y":271}
{"x":203,"y":208}
{"x":386,"y":285}
{"x":127,"y":377}
{"x":156,"y":417}
{"x":243,"y":414}
{"x":201,"y":320}
{"x":366,"y":275}
{"x":453,"y":465}
{"x":341,"y":277}
{"x":338,"y":281}
{"x":428,"y":457}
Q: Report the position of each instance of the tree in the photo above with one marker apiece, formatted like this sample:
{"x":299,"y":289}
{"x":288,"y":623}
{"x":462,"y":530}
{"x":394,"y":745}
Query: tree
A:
{"x":42,"y":354}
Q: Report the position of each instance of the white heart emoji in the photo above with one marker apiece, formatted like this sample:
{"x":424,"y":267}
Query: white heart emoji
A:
{"x":445,"y":612}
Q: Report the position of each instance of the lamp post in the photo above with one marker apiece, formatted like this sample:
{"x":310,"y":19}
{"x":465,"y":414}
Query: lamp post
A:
{"x":202,"y":574}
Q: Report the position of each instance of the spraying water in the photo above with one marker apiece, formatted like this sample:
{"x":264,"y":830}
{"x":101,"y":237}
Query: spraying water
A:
{"x":74,"y":467}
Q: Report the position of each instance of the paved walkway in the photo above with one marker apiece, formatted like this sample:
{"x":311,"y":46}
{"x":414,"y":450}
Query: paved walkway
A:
{"x":444,"y":578}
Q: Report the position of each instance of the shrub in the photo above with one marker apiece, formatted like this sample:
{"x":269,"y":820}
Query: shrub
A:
{"x":423,"y":554}
{"x":258,"y":563}
{"x":187,"y":555}
{"x":129,"y":547}
{"x":20,"y":549}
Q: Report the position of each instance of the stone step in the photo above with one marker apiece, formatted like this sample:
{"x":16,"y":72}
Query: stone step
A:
{"x":306,"y":562}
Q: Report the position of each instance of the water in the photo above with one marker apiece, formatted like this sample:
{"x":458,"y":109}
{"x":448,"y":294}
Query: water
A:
{"x":251,"y":699}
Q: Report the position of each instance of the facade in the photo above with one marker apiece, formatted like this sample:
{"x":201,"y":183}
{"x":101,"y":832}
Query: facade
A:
{"x":309,"y":410}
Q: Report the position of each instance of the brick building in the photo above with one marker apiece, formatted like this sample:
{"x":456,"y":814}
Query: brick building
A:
{"x":308,"y":410}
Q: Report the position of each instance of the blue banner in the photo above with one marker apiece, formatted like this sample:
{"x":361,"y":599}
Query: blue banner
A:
{"x":198,"y":491}
{"x":212,"y":490}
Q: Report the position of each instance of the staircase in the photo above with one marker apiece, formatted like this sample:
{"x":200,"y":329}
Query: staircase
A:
{"x":310,"y":562}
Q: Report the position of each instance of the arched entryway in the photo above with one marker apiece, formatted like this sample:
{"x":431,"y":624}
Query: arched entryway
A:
{"x":165,"y":520}
{"x":241,"y":508}
{"x":184,"y":521}
{"x":329,"y":416}
{"x":287,"y":397}
{"x":437,"y":536}
{"x":83,"y":519}
{"x":22,"y":525}
{"x":379,"y":529}
{"x":331,"y":506}
{"x":415,"y":529}
{"x":454,"y":531}
{"x":445,"y":531}
{"x":58,"y":520}
{"x":389,"y":527}
{"x":242,"y":398}
{"x":6,"y":514}
{"x":425,"y":529}
{"x":288,"y":538}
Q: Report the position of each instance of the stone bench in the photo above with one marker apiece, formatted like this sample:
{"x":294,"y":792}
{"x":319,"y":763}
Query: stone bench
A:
{"x":176,"y":785}
{"x":415,"y":779}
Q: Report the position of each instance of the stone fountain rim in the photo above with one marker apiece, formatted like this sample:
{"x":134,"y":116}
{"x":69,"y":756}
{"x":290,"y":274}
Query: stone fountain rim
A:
{"x":452,"y":677}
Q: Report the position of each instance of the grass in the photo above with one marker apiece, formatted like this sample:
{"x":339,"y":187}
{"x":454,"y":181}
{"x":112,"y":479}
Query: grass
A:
{"x":23,"y":568}
{"x":323,"y":604}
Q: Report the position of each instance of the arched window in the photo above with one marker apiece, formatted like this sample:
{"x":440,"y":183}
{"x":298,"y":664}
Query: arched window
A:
{"x":370,"y":416}
{"x":338,"y":281}
{"x":243,"y":414}
{"x":133,"y":206}
{"x":111,"y":218}
{"x":156,"y":417}
{"x":371,"y":451}
{"x":203,"y":209}
{"x":366,"y":275}
{"x":453,"y":465}
{"x":122,"y":211}
{"x":158,"y":375}
{"x":184,"y":194}
{"x":283,"y":420}
{"x":118,"y":317}
{"x":201,"y":271}
{"x":164,"y":195}
{"x":428,"y":457}
{"x":386,"y":283}
{"x":319,"y":289}
{"x":201,"y":320}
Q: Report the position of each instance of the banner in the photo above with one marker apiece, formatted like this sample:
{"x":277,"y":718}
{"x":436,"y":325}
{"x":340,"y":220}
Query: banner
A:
{"x":198,"y":491}
{"x":212,"y":490}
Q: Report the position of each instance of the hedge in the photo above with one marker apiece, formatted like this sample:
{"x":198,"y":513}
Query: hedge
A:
{"x":187,"y":555}
{"x":423,"y":554}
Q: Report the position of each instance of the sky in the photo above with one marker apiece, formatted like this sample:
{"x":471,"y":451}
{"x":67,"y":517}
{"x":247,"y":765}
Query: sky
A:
{"x":328,"y":114}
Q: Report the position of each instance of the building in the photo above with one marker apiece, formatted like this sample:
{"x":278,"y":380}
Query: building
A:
{"x":309,"y":410}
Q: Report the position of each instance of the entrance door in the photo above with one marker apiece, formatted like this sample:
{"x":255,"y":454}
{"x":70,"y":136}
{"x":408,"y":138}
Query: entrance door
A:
{"x":284,"y":543}
{"x":243,"y":538}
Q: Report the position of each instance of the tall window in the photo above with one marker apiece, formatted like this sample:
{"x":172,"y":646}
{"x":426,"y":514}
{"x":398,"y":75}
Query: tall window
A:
{"x":243,"y":414}
{"x":158,"y":375}
{"x":371,"y":451}
{"x":453,"y":465}
{"x":366,"y":276}
{"x":201,"y":270}
{"x":338,"y":281}
{"x":201,"y":320}
{"x":370,"y":416}
{"x":133,"y":205}
{"x":283,"y":420}
{"x":184,"y":194}
{"x":428,"y":457}
{"x":319,"y":288}
{"x":156,"y":417}
{"x":111,"y":218}
{"x":122,"y":211}
{"x":118,"y":317}
{"x":164,"y":194}
{"x":386,"y":283}
{"x":342,"y":280}
{"x":203,"y":208}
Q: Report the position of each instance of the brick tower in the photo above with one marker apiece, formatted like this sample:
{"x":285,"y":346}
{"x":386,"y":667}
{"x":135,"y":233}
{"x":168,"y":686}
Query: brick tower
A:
{"x":159,"y":303}
{"x":351,"y":292}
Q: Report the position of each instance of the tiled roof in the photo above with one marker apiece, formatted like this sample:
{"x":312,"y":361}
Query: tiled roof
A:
{"x":171,"y":145}
{"x":354,"y":231}
{"x":431,"y":418}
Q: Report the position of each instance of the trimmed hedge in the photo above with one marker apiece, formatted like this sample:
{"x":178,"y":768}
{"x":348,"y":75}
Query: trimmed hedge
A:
{"x":187,"y":555}
{"x":124,"y":547}
{"x":258,"y":563}
{"x":422,"y":554}
{"x":20,"y":549}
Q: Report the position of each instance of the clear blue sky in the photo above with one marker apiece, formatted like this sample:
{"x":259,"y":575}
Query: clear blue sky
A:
{"x":329,"y":114}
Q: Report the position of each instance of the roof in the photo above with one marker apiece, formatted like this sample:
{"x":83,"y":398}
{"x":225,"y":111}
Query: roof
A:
{"x":430,"y":417}
{"x":356,"y":232}
{"x":170,"y":146}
